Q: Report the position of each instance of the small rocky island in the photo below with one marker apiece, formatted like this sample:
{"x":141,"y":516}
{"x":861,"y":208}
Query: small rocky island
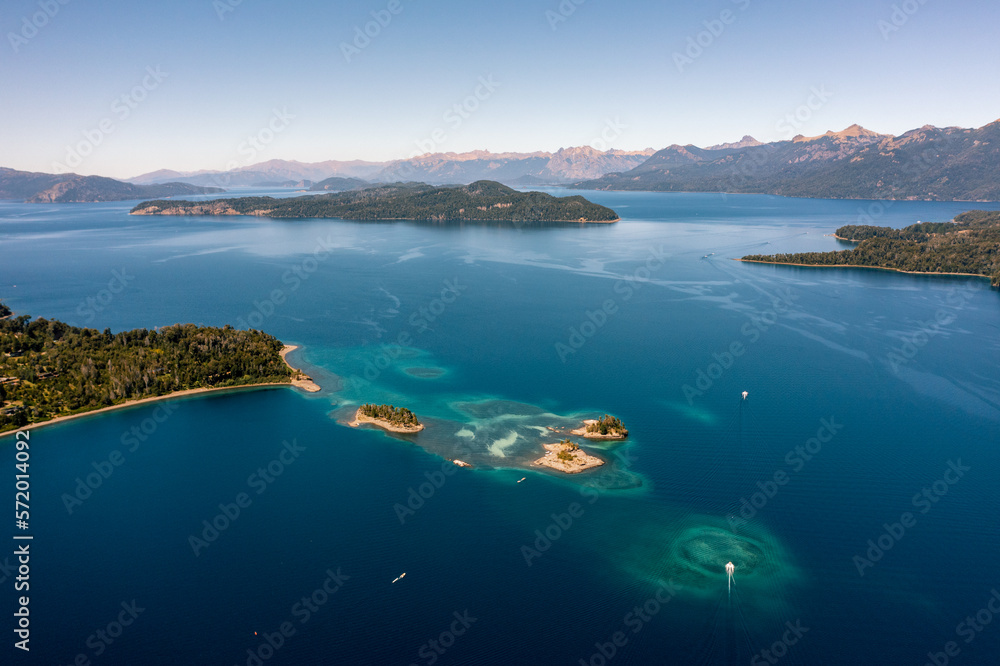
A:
{"x":567,"y":456}
{"x":388,"y":417}
{"x":481,"y":201}
{"x":606,"y":427}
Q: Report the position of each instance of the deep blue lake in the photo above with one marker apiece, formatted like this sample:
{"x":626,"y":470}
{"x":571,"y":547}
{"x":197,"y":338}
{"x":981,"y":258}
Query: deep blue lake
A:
{"x":854,"y":489}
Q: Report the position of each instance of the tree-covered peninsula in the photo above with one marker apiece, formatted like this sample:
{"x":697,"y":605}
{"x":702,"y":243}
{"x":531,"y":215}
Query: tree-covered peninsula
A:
{"x":970,"y":246}
{"x":482,"y":201}
{"x":49,"y":369}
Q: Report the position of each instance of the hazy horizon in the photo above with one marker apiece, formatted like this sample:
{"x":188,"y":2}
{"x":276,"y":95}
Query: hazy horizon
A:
{"x":142,"y":88}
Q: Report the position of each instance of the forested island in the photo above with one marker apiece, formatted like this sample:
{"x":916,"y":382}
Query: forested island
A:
{"x":49,"y":369}
{"x":482,"y":201}
{"x":389,"y":417}
{"x":606,"y":427}
{"x":968,"y":246}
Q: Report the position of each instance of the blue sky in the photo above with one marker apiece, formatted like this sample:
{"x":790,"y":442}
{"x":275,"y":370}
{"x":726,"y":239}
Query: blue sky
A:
{"x":197,"y":86}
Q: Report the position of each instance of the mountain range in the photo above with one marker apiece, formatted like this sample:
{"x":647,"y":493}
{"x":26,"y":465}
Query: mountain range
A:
{"x":71,"y":188}
{"x":517,"y":169}
{"x":950,"y":163}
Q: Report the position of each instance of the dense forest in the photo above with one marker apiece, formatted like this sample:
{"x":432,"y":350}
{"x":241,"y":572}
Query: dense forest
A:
{"x":970,"y":244}
{"x":4,"y":310}
{"x":397,"y":416}
{"x":481,"y":201}
{"x":50,"y":369}
{"x":608,"y":425}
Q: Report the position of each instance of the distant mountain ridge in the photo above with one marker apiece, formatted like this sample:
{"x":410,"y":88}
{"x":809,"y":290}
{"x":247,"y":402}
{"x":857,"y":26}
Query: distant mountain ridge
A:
{"x":34,"y":187}
{"x":539,"y":168}
{"x":263,"y":173}
{"x":746,"y":142}
{"x":930,"y":163}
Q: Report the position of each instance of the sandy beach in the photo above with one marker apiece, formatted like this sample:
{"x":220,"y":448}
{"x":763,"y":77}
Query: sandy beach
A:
{"x":134,"y":403}
{"x":302,"y":381}
{"x":299,"y":379}
{"x":360,"y":418}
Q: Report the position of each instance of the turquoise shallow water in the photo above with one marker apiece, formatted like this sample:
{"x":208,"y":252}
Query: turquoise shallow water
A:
{"x":469,"y":326}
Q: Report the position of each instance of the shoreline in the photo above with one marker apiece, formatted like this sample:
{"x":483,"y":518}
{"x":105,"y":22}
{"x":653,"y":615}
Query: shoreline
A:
{"x":360,"y":419}
{"x":877,"y":268}
{"x":581,"y":461}
{"x":377,"y":219}
{"x":299,"y":379}
{"x":582,"y":432}
{"x":143,"y":401}
{"x":304,"y":382}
